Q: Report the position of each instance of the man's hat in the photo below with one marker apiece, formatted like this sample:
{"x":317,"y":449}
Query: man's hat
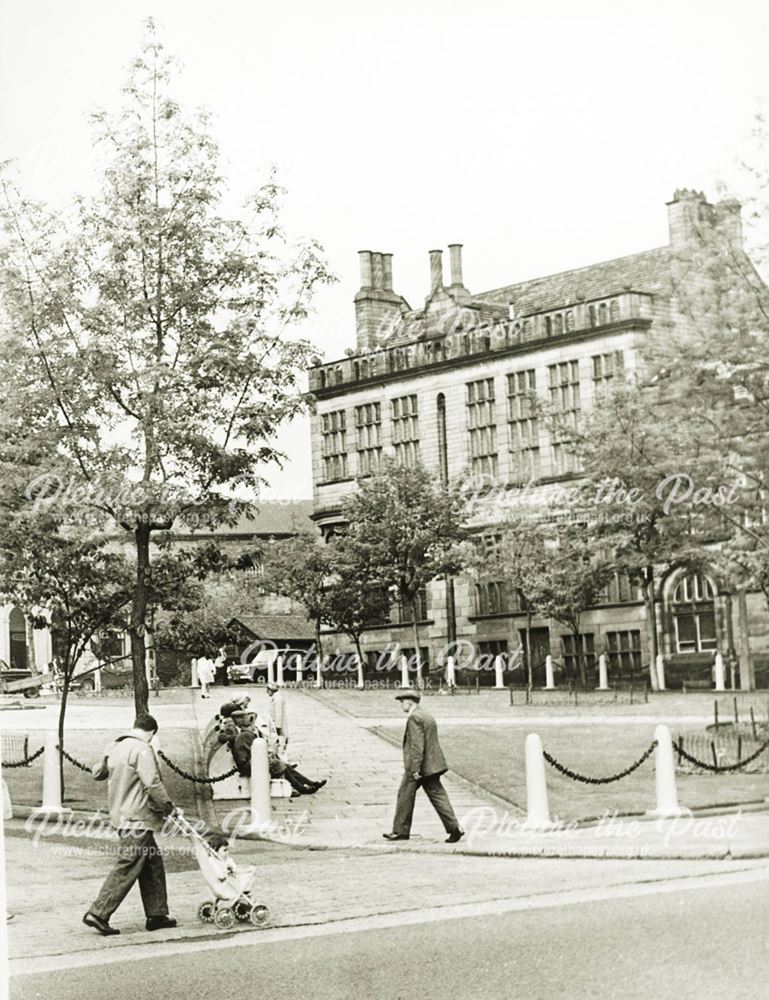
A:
{"x":408,"y":694}
{"x":241,"y":714}
{"x":272,"y":686}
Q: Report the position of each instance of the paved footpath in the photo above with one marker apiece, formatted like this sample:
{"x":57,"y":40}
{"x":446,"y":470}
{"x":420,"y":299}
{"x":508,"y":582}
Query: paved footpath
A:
{"x":364,"y":770}
{"x":50,"y":884}
{"x":363,"y":773}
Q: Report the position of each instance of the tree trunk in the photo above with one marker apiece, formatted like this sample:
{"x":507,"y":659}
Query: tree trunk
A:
{"x":651,"y":614}
{"x":138,"y":619}
{"x":70,"y":668}
{"x":529,"y":664}
{"x":415,"y":631}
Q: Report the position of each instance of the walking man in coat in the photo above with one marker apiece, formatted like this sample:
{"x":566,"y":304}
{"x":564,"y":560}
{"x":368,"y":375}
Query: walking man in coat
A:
{"x":138,"y":806}
{"x":423,"y":765}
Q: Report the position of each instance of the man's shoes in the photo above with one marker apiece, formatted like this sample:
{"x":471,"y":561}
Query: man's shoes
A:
{"x":320,"y":784}
{"x":454,"y":836}
{"x":395,"y":836}
{"x":102,"y":926}
{"x":159,"y":923}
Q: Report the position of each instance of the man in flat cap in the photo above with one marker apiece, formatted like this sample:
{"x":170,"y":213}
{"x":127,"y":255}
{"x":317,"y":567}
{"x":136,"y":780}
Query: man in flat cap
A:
{"x":423,"y":765}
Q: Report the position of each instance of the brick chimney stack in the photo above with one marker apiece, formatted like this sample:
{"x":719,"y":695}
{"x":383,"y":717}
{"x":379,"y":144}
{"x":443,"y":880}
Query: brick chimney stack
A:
{"x":455,"y":251}
{"x":690,"y":216}
{"x":377,"y":307}
{"x":436,"y":269}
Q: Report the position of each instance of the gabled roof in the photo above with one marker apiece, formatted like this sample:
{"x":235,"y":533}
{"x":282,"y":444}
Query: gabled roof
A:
{"x":278,"y":628}
{"x":641,"y":272}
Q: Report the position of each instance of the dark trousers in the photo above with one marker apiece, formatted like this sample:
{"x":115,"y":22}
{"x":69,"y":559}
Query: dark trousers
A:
{"x":139,"y":858}
{"x":436,"y":793}
{"x":298,"y":781}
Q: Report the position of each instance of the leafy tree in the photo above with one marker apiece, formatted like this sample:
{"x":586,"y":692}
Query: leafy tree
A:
{"x":151,"y":327}
{"x":69,"y":583}
{"x":298,"y":568}
{"x":352,"y":598}
{"x":513,"y":551}
{"x":405,"y":528}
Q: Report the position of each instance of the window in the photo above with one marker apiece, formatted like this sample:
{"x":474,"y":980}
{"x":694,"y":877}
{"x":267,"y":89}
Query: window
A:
{"x":621,"y":590}
{"x":400,"y":615}
{"x":579,"y":654}
{"x":607,"y":368}
{"x":563,"y":381}
{"x":333,"y":445}
{"x":368,"y":430}
{"x":624,"y":654}
{"x":694,"y":614}
{"x":492,"y":597}
{"x":482,"y":426}
{"x":405,"y":430}
{"x":523,"y":426}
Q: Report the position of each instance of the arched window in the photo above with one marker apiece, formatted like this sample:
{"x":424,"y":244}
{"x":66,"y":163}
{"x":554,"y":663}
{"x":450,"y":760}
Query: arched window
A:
{"x":591,"y":315}
{"x":443,"y":454}
{"x":557,"y":324}
{"x":613,"y":311}
{"x":17,"y":626}
{"x":602,"y":314}
{"x":548,"y":326}
{"x":323,"y":378}
{"x":694,"y":614}
{"x":569,"y":321}
{"x":356,"y":370}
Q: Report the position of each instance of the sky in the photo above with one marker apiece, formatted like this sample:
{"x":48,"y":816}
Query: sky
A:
{"x":542,"y":136}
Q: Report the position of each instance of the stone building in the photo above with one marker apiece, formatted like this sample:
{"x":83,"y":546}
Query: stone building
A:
{"x":447,"y":383}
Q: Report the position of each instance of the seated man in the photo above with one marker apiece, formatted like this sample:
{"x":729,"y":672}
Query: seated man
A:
{"x":241,"y":753}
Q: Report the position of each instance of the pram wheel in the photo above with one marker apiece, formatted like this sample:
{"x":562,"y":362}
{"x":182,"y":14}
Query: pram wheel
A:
{"x":224,"y":918}
{"x":206,"y":912}
{"x":259,"y":915}
{"x":242,"y":910}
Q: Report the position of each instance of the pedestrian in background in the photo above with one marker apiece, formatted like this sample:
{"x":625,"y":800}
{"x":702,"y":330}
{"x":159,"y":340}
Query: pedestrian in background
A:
{"x":278,"y":713}
{"x":138,"y":806}
{"x":206,"y":674}
{"x":423,"y":765}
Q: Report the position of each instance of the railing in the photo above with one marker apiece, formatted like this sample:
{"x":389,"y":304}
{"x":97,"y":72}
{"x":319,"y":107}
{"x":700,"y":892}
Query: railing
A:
{"x":487,"y":337}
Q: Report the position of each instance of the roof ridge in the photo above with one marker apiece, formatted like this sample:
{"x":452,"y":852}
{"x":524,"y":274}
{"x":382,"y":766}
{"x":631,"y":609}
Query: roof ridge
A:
{"x":572,"y":270}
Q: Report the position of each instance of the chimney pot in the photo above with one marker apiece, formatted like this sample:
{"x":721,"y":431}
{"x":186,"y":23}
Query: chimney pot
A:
{"x":387,"y":271}
{"x":365,"y":268}
{"x":436,"y":269}
{"x":455,"y":250}
{"x":378,"y":273}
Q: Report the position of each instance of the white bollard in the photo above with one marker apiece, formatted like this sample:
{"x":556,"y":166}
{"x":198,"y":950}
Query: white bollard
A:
{"x":537,"y":807}
{"x":359,"y":684}
{"x":7,"y":804}
{"x":271,"y":669}
{"x":279,"y":677}
{"x":51,"y":777}
{"x":451,"y":672}
{"x":720,"y":676}
{"x":660,"y":672}
{"x":300,"y":670}
{"x":97,"y":681}
{"x":319,"y":661}
{"x":404,"y":671}
{"x":603,"y":673}
{"x":194,"y":668}
{"x":261,"y":806}
{"x":665,"y":777}
{"x":499,"y":666}
{"x":549,"y":681}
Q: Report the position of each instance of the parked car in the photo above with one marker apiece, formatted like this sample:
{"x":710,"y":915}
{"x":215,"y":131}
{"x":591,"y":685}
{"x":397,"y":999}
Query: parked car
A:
{"x":257,"y":667}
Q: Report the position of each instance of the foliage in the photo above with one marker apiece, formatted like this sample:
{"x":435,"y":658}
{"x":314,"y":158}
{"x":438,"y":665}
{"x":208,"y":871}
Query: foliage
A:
{"x":406,"y":528}
{"x":147,"y":338}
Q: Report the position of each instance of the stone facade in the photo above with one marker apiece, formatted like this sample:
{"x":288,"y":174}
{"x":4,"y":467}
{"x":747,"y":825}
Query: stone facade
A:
{"x":445,"y":383}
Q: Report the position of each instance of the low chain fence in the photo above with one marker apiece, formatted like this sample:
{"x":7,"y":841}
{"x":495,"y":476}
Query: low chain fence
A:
{"x":584,"y":779}
{"x":575,"y":695}
{"x":720,"y":753}
{"x":25,"y":761}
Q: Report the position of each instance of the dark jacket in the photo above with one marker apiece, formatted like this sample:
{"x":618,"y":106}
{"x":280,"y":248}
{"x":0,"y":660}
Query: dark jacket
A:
{"x":422,"y":752}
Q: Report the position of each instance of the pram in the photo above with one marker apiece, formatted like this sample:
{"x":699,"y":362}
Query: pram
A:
{"x":231,"y":884}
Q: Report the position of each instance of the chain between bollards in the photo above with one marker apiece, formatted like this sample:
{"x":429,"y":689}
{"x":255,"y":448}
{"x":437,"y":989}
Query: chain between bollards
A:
{"x":575,"y":776}
{"x":718,"y":768}
{"x":192,"y":777}
{"x":27,"y":760}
